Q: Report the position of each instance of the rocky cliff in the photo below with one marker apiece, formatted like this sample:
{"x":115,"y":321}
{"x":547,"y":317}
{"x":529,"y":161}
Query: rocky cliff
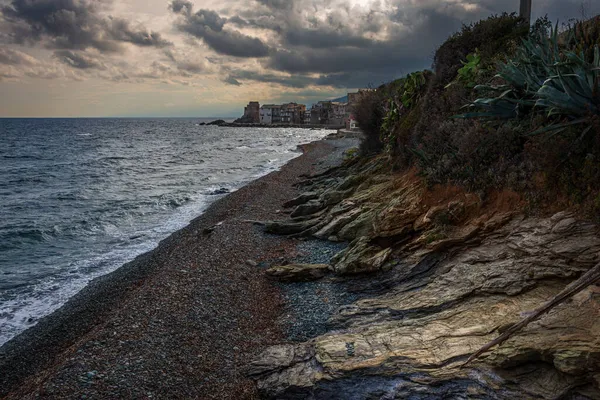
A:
{"x":441,"y":273}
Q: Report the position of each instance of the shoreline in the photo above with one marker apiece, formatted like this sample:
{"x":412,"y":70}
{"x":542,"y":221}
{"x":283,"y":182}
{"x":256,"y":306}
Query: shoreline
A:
{"x":33,"y":358}
{"x":224,"y":124}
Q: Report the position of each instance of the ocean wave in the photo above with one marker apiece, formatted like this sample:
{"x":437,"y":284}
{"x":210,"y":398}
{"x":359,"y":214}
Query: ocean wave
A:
{"x":115,"y":196}
{"x":11,"y":237}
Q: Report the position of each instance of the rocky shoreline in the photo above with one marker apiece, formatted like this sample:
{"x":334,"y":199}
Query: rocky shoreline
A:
{"x":439,"y":273}
{"x":182,"y":321}
{"x":224,"y":123}
{"x":334,"y":278}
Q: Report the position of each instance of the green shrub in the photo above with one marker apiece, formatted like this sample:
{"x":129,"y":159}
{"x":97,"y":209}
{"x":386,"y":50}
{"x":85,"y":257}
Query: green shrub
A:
{"x":468,"y":73}
{"x":585,"y":36}
{"x":473,"y":155}
{"x":545,"y":77}
{"x":369,"y":113}
{"x":413,"y":88}
{"x":545,"y":83}
{"x":402,"y":99}
{"x":493,"y":37}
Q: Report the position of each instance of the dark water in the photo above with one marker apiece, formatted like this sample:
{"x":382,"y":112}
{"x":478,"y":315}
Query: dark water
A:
{"x":79,"y":197}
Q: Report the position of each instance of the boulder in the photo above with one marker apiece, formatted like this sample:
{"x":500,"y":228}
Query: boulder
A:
{"x":303,"y":198}
{"x":351,"y":182}
{"x":360,"y":257}
{"x":298,"y":272}
{"x":337,"y":224}
{"x":217,"y":122}
{"x":400,"y":213}
{"x":311,"y":207}
{"x":331,"y":197}
{"x":289,"y":228}
{"x":284,"y":369}
{"x":362,"y":225}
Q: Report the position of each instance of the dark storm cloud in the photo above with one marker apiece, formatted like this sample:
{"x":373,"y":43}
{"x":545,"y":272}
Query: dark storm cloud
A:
{"x":348,"y":46}
{"x":278,"y":4}
{"x":120,"y":29}
{"x":208,"y":26}
{"x":78,"y":60}
{"x":181,"y":6}
{"x":294,"y":81}
{"x":261,"y":22}
{"x":296,"y":44}
{"x":71,"y":24}
{"x":323,"y":39}
{"x":352,"y":64}
{"x":338,"y":80}
{"x":341,"y":44}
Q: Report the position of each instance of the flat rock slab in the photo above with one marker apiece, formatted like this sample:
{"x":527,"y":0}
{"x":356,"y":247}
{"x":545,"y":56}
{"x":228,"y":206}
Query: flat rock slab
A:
{"x":298,"y":272}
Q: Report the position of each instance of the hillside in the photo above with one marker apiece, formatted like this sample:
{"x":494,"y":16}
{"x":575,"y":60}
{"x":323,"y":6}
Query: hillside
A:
{"x":469,"y":205}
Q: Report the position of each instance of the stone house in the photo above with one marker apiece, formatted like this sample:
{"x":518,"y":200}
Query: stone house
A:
{"x":252,"y":112}
{"x":338,"y":114}
{"x":307,"y":117}
{"x":269,"y":114}
{"x":292,"y":113}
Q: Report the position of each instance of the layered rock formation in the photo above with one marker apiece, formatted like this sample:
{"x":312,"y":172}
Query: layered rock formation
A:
{"x":441,"y":274}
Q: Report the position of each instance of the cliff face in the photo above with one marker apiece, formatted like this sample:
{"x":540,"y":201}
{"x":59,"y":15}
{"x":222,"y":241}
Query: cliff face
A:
{"x":448,"y":273}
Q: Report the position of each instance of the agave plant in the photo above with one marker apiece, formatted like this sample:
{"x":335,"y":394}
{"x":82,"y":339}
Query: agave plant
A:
{"x":546,"y":78}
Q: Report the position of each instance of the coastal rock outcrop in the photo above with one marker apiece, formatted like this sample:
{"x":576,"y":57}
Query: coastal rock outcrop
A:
{"x":447,"y":275}
{"x":298,"y":272}
{"x":360,"y":257}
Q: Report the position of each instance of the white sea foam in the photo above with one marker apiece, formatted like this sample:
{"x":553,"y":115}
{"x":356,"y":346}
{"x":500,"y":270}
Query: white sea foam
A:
{"x":127,"y":234}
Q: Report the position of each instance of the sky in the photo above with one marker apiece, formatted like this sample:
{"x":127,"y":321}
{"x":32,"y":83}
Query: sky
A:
{"x":185,"y":58}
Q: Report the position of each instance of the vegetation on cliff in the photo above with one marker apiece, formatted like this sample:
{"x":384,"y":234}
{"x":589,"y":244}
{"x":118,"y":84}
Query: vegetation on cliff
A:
{"x":506,"y":107}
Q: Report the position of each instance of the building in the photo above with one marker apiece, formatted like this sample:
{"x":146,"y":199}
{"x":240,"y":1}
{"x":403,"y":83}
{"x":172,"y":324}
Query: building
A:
{"x":287,"y":113}
{"x":315,"y":115}
{"x":276,"y":118}
{"x":292,"y":113}
{"x":307,"y":117}
{"x":351,"y":122}
{"x":330,"y":113}
{"x":338,"y":114}
{"x":252,"y":112}
{"x":269,"y":114}
{"x":354,"y":98}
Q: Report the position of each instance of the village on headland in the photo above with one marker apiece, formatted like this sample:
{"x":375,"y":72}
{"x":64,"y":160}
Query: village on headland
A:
{"x":330,"y":114}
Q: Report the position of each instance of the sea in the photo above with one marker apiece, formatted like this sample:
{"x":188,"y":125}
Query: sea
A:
{"x":81,"y":197}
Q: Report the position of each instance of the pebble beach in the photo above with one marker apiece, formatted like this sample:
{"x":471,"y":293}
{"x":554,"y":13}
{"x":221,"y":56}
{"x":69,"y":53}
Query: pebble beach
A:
{"x":184,"y":320}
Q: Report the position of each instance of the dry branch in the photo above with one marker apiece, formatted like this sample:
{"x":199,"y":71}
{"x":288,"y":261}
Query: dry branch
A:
{"x":590,"y":277}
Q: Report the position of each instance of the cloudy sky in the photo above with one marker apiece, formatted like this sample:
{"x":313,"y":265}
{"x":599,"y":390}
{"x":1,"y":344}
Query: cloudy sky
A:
{"x":210,"y":57}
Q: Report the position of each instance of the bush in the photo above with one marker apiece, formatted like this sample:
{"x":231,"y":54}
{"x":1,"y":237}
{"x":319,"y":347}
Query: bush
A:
{"x":547,"y":80}
{"x":545,"y":77}
{"x":585,"y":36}
{"x":567,"y":169}
{"x":492,"y":38}
{"x":369,"y":113}
{"x":402,"y":115}
{"x":474,"y":156}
